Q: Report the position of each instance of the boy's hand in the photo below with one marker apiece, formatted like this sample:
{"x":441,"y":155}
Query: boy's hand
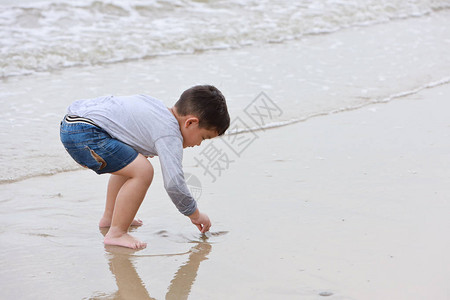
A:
{"x":200,"y":220}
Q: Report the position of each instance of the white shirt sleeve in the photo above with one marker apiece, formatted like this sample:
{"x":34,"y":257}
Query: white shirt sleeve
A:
{"x":170,"y":152}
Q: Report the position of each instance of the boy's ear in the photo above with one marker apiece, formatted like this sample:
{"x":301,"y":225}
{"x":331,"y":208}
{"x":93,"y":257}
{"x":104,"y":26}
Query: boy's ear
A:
{"x":191,"y":121}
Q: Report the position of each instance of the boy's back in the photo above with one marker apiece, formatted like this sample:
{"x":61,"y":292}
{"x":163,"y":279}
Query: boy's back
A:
{"x":138,"y":120}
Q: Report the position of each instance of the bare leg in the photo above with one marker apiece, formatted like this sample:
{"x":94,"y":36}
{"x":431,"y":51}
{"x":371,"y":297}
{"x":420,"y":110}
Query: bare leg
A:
{"x":139,"y":176}
{"x":114,"y":185}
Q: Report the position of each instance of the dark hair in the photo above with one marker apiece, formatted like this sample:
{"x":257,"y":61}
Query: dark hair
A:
{"x":206,"y":103}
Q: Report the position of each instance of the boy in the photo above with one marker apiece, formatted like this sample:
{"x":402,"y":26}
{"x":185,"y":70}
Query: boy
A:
{"x":116,"y":135}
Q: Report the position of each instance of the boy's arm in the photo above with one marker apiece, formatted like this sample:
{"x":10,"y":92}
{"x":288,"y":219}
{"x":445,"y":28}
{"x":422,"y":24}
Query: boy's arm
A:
{"x":170,"y":152}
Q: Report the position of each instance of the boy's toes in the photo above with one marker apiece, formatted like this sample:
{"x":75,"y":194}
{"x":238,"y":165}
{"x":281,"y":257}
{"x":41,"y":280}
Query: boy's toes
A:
{"x":137,"y":222}
{"x":140,"y":245}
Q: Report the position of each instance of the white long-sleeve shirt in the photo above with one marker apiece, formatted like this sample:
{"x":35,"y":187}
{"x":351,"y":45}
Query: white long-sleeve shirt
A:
{"x":148,"y":126}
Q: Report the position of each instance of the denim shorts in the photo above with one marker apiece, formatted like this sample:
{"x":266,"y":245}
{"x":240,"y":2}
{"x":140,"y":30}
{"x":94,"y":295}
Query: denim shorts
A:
{"x":92,"y":147}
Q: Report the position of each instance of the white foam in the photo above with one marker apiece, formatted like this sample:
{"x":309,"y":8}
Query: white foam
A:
{"x":49,"y":35}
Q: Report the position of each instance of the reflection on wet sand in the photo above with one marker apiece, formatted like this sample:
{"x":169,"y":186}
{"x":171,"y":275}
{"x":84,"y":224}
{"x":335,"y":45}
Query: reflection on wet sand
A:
{"x":130,"y":285}
{"x":184,"y":278}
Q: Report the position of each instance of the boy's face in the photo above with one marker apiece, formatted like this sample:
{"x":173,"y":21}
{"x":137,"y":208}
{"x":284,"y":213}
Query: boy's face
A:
{"x":193,"y":135}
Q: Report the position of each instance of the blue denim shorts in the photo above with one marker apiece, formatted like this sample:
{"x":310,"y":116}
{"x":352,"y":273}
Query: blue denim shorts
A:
{"x":92,"y":147}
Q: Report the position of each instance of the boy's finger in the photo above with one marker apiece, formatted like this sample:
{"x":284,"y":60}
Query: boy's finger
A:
{"x":199,"y":226}
{"x":205,"y":229}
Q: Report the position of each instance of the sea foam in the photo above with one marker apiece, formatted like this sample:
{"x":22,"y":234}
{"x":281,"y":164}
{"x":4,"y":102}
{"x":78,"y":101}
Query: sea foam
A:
{"x":50,"y":35}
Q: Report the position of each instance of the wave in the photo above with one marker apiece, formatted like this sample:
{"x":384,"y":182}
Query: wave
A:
{"x":47,"y":35}
{"x":389,"y":98}
{"x":38,"y":173}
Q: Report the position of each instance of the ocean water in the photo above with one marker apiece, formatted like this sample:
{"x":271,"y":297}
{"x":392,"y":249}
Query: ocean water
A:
{"x":309,"y":58}
{"x":50,"y":35}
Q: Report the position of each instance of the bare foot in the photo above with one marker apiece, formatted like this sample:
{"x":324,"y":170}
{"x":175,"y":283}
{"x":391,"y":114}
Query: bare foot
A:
{"x":124,"y":240}
{"x":104,"y":222}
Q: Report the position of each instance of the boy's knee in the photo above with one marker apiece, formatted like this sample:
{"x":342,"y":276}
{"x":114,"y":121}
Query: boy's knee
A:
{"x":145,"y":170}
{"x":140,"y":168}
{"x":148,"y":172}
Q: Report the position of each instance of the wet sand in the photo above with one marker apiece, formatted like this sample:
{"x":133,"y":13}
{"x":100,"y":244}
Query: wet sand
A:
{"x":352,"y":205}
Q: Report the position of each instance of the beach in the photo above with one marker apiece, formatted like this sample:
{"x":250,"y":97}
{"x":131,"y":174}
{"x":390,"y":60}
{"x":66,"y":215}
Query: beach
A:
{"x":332,"y":181}
{"x":354,"y":205}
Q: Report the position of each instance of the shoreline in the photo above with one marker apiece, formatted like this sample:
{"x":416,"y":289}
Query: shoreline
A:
{"x":399,"y":95}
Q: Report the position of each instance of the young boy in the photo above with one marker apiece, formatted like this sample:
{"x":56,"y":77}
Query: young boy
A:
{"x":116,"y":135}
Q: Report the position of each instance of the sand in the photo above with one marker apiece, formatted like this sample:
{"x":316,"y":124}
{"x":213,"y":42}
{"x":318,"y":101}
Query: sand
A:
{"x":352,"y":205}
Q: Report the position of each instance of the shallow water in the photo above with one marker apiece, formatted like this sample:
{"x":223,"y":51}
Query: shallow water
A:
{"x":62,"y":248}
